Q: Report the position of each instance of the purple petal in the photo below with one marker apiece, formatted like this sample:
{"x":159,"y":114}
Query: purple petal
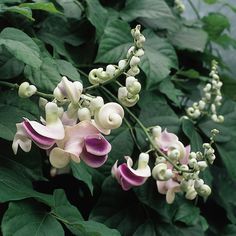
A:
{"x":93,"y":160}
{"x":42,"y":141}
{"x":130,"y":178}
{"x":97,"y":145}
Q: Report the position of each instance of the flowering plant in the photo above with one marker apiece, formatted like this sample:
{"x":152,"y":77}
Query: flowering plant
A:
{"x":116,"y":119}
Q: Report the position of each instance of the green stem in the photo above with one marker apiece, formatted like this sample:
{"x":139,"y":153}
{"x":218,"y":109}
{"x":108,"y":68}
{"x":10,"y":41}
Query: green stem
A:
{"x":16,"y":86}
{"x":194,"y":9}
{"x":146,"y":133}
{"x":113,"y":78}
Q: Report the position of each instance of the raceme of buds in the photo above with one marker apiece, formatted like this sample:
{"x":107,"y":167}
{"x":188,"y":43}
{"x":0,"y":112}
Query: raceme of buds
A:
{"x":26,"y":90}
{"x":69,"y":90}
{"x":211,"y":99}
{"x":128,"y":177}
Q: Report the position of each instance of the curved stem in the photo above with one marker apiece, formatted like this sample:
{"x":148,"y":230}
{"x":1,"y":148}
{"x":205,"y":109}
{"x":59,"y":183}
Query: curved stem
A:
{"x":147,"y":134}
{"x":16,"y":86}
{"x":194,"y":9}
{"x":113,"y":78}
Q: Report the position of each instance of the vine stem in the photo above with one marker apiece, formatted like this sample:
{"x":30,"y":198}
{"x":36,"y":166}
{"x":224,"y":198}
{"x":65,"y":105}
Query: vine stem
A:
{"x":113,"y":78}
{"x":150,"y":139}
{"x":16,"y":86}
{"x":194,"y":9}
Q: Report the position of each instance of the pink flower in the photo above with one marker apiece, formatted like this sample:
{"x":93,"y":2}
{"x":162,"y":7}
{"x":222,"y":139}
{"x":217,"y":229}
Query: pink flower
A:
{"x":42,"y":135}
{"x":127,"y":177}
{"x":169,"y":187}
{"x":81,"y":141}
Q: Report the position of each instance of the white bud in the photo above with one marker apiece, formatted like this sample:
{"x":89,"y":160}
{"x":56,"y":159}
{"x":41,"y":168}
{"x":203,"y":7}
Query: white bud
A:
{"x":201,"y":105}
{"x":215,"y":76}
{"x":191,"y":193}
{"x":133,"y":71}
{"x":174,"y":154}
{"x":126,"y":98}
{"x":160,"y":172}
{"x":26,"y":90}
{"x":198,"y":183}
{"x":202,"y":165}
{"x":110,"y":70}
{"x":122,"y":64}
{"x":143,"y":160}
{"x":213,"y":108}
{"x":156,"y":131}
{"x":207,"y":87}
{"x":130,"y":51}
{"x":134,"y":61}
{"x":204,"y":190}
{"x":208,"y":96}
{"x":192,"y":163}
{"x":139,"y":52}
{"x":96,"y":103}
{"x":84,"y":114}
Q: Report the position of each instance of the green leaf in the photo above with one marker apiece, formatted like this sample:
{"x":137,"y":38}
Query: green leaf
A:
{"x":155,"y":9}
{"x":20,"y":10}
{"x":47,"y":77}
{"x":26,"y":218}
{"x":158,"y":59}
{"x":81,"y":172}
{"x":153,"y":228}
{"x":210,"y":1}
{"x":191,"y":73}
{"x":71,"y":217}
{"x":44,"y":6}
{"x":112,"y":49}
{"x":21,"y":46}
{"x":72,"y":9}
{"x":156,"y":111}
{"x":192,"y":134}
{"x":65,"y":68}
{"x":192,"y":39}
{"x":215,"y":23}
{"x":10,"y":68}
{"x":168,"y":88}
{"x":118,"y":209}
{"x":229,"y":230}
{"x":13,"y":109}
{"x":229,"y":86}
{"x":97,"y":15}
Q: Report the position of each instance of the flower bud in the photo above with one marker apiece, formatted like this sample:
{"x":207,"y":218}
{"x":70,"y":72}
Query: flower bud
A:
{"x":160,"y":172}
{"x":204,"y":190}
{"x":156,"y":131}
{"x":134,"y":61}
{"x":190,"y":193}
{"x":202,"y":165}
{"x":26,"y":90}
{"x":96,"y":103}
{"x":130,"y":51}
{"x":125,"y":99}
{"x":143,"y":160}
{"x":202,"y":105}
{"x":160,"y":159}
{"x":133,"y":71}
{"x":122,"y":64}
{"x":84,"y":114}
{"x":110,"y":70}
{"x":174,"y":154}
{"x":139,"y":52}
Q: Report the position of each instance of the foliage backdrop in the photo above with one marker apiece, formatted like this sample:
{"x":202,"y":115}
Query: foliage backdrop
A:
{"x":40,"y":41}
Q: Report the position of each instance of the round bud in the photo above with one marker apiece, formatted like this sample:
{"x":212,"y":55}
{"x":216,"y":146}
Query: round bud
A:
{"x":84,"y":114}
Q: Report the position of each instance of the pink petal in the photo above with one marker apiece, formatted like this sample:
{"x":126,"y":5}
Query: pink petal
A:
{"x":97,"y":145}
{"x":93,"y":160}
{"x":42,"y":141}
{"x":166,"y":139}
{"x":186,"y":158}
{"x":53,"y":131}
{"x":129,"y":177}
{"x":161,"y":187}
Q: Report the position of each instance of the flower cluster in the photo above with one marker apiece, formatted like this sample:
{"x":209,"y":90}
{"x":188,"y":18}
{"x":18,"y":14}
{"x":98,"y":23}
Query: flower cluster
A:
{"x":72,"y":127}
{"x":129,"y":95}
{"x":211,"y":99}
{"x":176,"y":168}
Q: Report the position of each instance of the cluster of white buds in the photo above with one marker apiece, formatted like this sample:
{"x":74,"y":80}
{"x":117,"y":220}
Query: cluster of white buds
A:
{"x":211,"y":99}
{"x":177,"y":169}
{"x":86,"y":107}
{"x":129,"y":95}
{"x":179,"y":6}
{"x":99,"y":75}
{"x":26,"y":90}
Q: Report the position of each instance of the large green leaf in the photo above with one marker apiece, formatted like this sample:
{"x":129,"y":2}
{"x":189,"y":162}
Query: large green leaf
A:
{"x":21,"y":46}
{"x":192,"y":134}
{"x":97,"y":15}
{"x":118,"y":209}
{"x":112,"y":49}
{"x":26,"y":218}
{"x":193,"y":39}
{"x":158,"y":59}
{"x":13,"y":109}
{"x":154,"y":9}
{"x":44,"y":6}
{"x":26,"y":12}
{"x":215,"y":23}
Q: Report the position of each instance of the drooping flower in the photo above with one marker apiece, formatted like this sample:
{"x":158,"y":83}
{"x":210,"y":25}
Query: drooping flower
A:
{"x":42,"y":135}
{"x":81,"y":141}
{"x":128,"y":177}
{"x":169,"y":187}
